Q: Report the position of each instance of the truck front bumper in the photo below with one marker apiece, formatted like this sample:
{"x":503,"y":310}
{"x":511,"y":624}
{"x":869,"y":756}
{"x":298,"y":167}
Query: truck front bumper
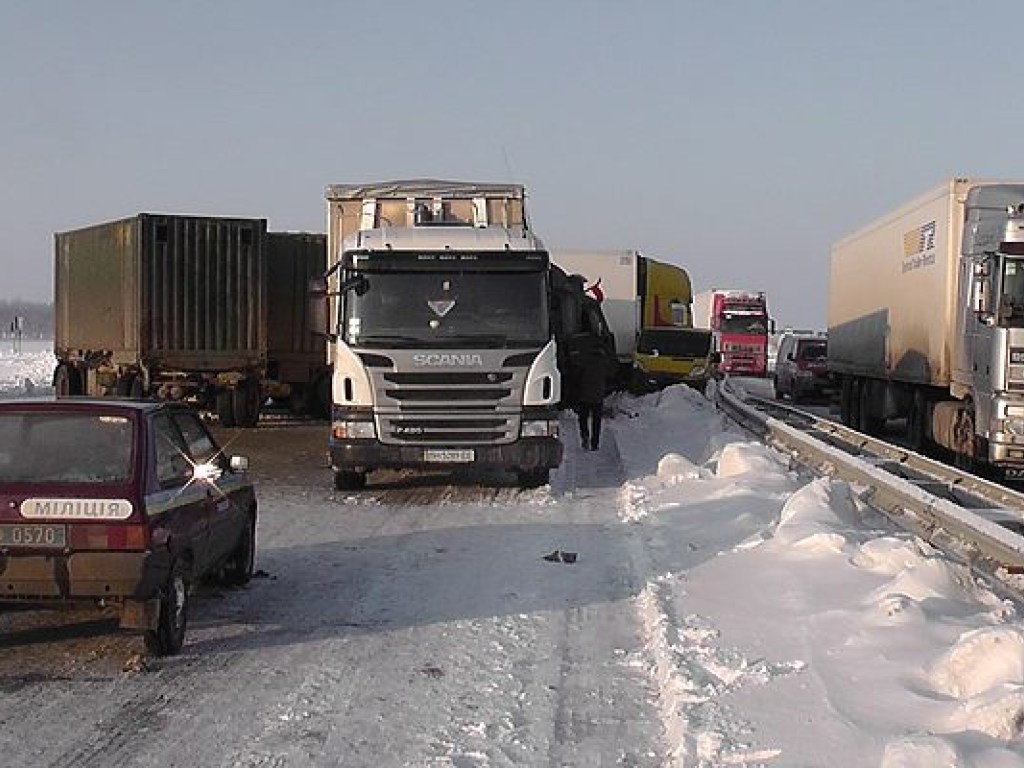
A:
{"x":526,"y":454}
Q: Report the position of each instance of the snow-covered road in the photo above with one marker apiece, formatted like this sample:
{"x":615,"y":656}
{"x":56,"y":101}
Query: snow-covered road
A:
{"x":723,"y":609}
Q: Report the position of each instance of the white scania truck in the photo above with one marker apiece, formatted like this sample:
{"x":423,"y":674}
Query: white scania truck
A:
{"x":926,"y":322}
{"x":440,"y":333}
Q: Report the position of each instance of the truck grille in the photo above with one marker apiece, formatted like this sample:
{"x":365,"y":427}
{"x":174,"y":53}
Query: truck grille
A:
{"x":451,"y":407}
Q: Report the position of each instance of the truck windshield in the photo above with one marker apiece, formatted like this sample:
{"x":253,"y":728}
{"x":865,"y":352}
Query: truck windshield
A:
{"x":678,"y":342}
{"x":749,"y":324}
{"x":1011,"y":295}
{"x":486,"y":309}
{"x":64,"y":448}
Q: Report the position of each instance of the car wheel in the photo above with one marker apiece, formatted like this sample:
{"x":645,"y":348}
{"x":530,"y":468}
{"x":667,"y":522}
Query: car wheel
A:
{"x":240,"y":565}
{"x":345,"y":480}
{"x":226,"y":408}
{"x":169,"y":636}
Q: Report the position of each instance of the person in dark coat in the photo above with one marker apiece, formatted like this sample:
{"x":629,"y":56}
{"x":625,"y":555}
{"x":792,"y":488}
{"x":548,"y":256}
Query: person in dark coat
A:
{"x":588,"y":363}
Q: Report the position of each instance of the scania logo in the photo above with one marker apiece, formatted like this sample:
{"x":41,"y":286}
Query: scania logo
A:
{"x":448,"y":358}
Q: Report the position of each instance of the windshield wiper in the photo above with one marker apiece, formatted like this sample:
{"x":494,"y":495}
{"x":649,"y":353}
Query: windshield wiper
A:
{"x":387,"y":339}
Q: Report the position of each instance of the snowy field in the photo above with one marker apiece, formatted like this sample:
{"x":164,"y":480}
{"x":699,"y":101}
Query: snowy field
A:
{"x":26,"y":368}
{"x":723,"y":609}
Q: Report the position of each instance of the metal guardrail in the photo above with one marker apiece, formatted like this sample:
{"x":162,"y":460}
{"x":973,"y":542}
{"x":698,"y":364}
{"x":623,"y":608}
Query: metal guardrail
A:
{"x":917,"y":493}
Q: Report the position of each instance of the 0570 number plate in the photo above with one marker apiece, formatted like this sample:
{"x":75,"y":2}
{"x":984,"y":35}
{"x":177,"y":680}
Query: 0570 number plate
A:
{"x":33,"y":535}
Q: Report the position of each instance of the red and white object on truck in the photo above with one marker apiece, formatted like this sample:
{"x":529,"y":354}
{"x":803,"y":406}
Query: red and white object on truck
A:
{"x":740,"y":324}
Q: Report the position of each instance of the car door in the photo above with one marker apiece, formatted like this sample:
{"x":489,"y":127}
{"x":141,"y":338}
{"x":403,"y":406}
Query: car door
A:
{"x":225,"y":513}
{"x":182,"y":504}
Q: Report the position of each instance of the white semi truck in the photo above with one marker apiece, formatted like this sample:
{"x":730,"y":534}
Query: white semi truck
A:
{"x":440,"y":332}
{"x":926,"y":322}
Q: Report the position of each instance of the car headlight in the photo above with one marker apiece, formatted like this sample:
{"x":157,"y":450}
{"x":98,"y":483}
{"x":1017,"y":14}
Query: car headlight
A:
{"x":697,"y":370}
{"x":353,"y":430}
{"x":539,"y":428}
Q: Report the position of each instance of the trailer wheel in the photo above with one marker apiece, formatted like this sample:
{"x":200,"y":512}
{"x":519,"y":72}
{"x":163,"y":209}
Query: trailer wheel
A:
{"x":246,"y":403}
{"x":854,"y":405}
{"x":917,"y":434}
{"x":67,"y":381}
{"x":868,"y":423}
{"x":226,"y":408}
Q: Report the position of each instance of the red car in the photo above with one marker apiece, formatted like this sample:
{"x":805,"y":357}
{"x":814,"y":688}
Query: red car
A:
{"x":121,"y":502}
{"x":801,"y":367}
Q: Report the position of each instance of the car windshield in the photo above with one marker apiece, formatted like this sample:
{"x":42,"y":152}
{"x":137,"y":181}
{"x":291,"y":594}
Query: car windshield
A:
{"x":64,"y":448}
{"x":486,"y":309}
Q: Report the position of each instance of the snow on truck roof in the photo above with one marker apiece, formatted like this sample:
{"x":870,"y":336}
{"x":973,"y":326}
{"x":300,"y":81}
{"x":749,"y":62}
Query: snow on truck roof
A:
{"x":441,"y":237}
{"x":423,"y":188}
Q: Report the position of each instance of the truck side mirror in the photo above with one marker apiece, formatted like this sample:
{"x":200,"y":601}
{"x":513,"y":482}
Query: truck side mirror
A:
{"x":317,"y":306}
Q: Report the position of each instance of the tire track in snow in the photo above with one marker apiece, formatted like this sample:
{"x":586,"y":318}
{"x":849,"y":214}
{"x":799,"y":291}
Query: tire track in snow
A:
{"x":687,"y":673}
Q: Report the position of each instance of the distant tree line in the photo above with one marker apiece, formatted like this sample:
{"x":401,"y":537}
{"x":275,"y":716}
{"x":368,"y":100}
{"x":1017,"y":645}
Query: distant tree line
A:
{"x":37,"y":318}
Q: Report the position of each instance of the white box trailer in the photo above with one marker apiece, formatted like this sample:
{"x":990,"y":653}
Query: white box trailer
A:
{"x":617,"y":277}
{"x":916,"y":326}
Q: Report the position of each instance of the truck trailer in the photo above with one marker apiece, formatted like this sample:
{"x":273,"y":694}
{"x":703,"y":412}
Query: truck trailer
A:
{"x":647,"y":304}
{"x":167,"y":306}
{"x":439,"y":312}
{"x":926,"y":322}
{"x":739,"y":321}
{"x":297,"y":371}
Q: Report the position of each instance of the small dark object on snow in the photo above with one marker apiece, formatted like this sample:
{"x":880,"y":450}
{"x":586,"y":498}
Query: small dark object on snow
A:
{"x":558,"y":556}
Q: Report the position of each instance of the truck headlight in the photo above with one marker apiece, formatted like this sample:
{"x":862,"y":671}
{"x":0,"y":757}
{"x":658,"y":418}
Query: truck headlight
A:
{"x":539,"y":428}
{"x":349,"y":430}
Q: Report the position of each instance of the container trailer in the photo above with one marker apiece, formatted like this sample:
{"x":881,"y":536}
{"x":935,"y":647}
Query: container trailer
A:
{"x":168,"y":306}
{"x":926,"y":322}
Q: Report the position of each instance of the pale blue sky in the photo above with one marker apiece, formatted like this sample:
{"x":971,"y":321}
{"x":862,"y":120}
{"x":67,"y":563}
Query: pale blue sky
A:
{"x":738,"y":139}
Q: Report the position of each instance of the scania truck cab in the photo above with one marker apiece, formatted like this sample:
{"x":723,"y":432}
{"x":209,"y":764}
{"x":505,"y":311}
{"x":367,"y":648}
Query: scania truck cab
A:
{"x":442,"y":348}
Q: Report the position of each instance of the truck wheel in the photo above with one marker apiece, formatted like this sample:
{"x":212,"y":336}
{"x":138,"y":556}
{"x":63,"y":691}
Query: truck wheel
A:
{"x":226,"y":408}
{"x":240,"y":565}
{"x":916,"y":428}
{"x":169,"y":636}
{"x":345,"y":480}
{"x":67,"y":381}
{"x":534,"y":478}
{"x":130,"y":385}
{"x":246,"y":403}
{"x":868,"y":423}
{"x":851,"y":389}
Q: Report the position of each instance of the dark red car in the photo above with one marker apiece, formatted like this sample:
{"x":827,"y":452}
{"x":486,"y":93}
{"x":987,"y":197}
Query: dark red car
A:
{"x":117,"y":502}
{"x":801,"y":367}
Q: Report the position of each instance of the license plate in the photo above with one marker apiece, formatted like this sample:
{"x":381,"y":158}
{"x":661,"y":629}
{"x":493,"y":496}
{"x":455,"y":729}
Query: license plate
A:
{"x":449,"y":455}
{"x":33,"y":535}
